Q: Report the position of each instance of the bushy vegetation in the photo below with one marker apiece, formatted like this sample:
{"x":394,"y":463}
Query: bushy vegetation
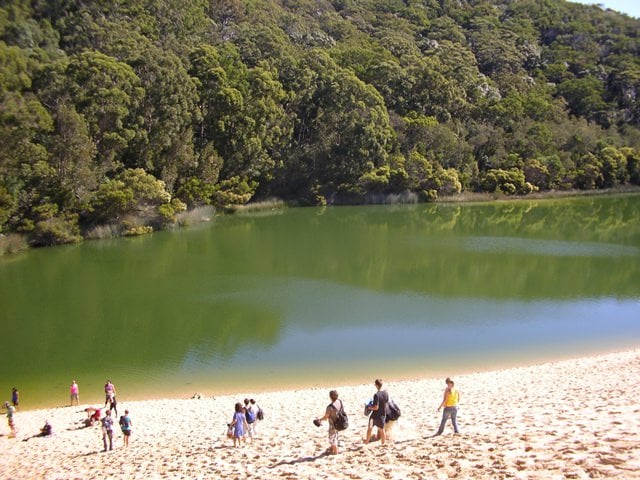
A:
{"x":117,"y":116}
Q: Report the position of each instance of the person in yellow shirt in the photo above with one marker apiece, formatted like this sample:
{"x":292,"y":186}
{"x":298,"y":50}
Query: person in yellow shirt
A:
{"x":450,"y":400}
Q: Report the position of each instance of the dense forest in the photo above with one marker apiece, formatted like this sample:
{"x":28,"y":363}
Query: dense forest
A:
{"x":116,"y":116}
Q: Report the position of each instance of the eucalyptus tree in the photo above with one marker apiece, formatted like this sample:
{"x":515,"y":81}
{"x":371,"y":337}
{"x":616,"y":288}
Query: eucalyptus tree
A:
{"x":107,"y":92}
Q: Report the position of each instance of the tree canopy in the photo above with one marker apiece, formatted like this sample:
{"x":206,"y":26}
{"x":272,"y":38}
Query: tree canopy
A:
{"x":121,"y":115}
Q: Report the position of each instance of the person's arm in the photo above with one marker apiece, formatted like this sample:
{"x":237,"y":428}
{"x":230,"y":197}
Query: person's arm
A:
{"x":444,"y":398}
{"x":327,"y":414}
{"x":376,"y":403}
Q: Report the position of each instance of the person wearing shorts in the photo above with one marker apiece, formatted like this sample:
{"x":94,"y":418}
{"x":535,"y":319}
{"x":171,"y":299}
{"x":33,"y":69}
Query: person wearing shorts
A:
{"x":378,"y":409}
{"x":330,"y":415}
{"x":126,"y":427}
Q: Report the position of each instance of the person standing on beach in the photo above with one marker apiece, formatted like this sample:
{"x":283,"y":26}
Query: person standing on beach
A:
{"x":10,"y":412}
{"x":251,"y":415}
{"x":74,"y":392}
{"x":330,"y":414}
{"x":107,"y":430}
{"x":110,"y":396}
{"x":109,"y":392}
{"x":238,"y":424}
{"x":378,"y":409}
{"x":126,"y":426}
{"x":450,"y":400}
{"x":15,"y":398}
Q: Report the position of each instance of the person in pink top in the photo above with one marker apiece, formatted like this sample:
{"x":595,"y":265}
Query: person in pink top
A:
{"x":74,"y":391}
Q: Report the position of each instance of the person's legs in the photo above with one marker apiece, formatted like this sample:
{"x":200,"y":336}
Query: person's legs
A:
{"x":380,"y":433}
{"x":382,"y":436}
{"x":104,"y":440}
{"x":333,"y":441}
{"x":445,"y":415}
{"x":110,"y":440}
{"x":454,"y":417}
{"x":369,"y":428}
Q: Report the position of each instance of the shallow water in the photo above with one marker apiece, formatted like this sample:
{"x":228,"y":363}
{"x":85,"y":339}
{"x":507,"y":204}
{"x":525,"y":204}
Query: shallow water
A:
{"x":314,"y":296}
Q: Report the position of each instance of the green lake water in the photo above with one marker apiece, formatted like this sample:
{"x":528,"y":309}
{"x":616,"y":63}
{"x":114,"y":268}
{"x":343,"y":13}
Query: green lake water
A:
{"x":322,"y":297}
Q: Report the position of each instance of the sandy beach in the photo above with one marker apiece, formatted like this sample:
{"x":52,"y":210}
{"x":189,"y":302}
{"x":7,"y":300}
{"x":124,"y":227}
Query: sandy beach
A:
{"x":572,"y":419}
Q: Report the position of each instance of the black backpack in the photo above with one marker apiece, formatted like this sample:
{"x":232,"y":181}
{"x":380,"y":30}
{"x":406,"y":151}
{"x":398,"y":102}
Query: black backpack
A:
{"x":341,"y":421}
{"x":393,"y":410}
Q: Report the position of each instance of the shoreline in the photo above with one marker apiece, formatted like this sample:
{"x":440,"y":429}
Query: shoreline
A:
{"x":572,"y":418}
{"x":266,"y":383}
{"x":13,"y":243}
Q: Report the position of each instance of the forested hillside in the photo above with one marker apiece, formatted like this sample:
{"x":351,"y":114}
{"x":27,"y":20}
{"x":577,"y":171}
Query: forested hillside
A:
{"x":121,"y":114}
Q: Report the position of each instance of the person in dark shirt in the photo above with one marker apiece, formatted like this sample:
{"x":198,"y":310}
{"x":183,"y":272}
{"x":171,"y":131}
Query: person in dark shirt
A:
{"x":378,"y":409}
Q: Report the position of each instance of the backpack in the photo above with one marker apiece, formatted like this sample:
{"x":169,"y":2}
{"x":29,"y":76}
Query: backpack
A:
{"x":260,"y":415}
{"x":251,"y":415}
{"x":341,"y":421}
{"x":393,"y":410}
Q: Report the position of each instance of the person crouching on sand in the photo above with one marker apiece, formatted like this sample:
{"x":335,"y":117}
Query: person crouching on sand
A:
{"x":239,"y":425}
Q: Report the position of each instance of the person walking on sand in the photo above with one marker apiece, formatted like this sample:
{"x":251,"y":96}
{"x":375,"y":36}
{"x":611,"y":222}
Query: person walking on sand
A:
{"x":113,"y":404}
{"x":74,"y":393}
{"x":11,"y":410}
{"x":107,"y":430}
{"x":126,"y":426}
{"x":450,"y":400}
{"x":238,"y":424}
{"x":259,"y":415}
{"x":378,"y":409}
{"x":251,"y":415}
{"x":330,"y":414}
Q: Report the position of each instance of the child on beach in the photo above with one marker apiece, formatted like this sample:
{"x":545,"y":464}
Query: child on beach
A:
{"x":239,"y":424}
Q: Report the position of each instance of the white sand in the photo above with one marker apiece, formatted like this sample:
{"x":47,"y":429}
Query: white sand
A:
{"x":575,"y":419}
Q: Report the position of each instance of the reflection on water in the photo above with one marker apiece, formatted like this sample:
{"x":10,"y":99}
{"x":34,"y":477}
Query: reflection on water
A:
{"x":269,"y":300}
{"x":556,"y":248}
